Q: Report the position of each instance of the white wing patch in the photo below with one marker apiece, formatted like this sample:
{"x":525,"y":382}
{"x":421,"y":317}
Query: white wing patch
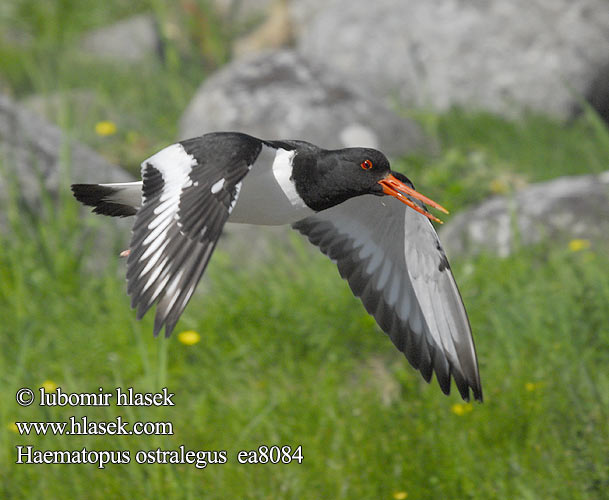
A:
{"x":125,"y":193}
{"x":269,"y":196}
{"x":282,"y":170}
{"x":175,"y":166}
{"x":217,"y":186}
{"x":236,"y":197}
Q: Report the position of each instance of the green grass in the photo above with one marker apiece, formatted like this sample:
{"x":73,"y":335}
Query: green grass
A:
{"x":287,"y":355}
{"x":483,"y":154}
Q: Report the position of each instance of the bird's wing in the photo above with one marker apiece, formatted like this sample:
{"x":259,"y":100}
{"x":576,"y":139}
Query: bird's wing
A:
{"x":188,"y":194}
{"x":394,"y":263}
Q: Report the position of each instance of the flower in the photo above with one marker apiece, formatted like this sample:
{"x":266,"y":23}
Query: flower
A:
{"x":49,"y":386}
{"x":400,"y":495}
{"x":12,"y":426}
{"x":105,"y":128}
{"x":499,"y":186}
{"x":577,"y":245}
{"x":189,"y":337}
{"x":461,"y":408}
{"x":532,"y":386}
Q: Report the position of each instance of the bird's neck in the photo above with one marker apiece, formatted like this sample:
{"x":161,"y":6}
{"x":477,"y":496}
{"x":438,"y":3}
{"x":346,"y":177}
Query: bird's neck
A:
{"x":314,"y":182}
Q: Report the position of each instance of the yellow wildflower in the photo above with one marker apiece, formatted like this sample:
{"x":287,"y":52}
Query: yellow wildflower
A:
{"x":461,"y":408}
{"x":105,"y":128}
{"x":499,"y":186}
{"x":49,"y":386}
{"x":12,"y":426}
{"x":577,"y":245}
{"x":189,"y":337}
{"x":400,"y":495}
{"x":532,"y":386}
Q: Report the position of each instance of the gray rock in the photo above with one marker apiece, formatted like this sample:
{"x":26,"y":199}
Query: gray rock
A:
{"x":35,"y":152}
{"x":274,"y":33}
{"x":243,"y":12}
{"x":129,"y":40}
{"x":502,"y":56}
{"x":564,"y":208}
{"x":37,"y":156}
{"x":597,"y":94}
{"x":81,"y":102}
{"x":32,"y":153}
{"x":279,"y":95}
{"x":248,"y":246}
{"x":304,"y":12}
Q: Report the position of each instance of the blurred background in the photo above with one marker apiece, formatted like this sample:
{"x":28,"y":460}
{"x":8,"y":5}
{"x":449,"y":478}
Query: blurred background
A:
{"x":498,"y":110}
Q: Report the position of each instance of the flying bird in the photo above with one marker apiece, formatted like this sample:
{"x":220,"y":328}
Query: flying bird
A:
{"x":368,"y":219}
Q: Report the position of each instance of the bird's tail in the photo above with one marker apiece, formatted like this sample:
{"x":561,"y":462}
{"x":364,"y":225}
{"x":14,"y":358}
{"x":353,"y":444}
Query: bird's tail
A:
{"x":117,"y":200}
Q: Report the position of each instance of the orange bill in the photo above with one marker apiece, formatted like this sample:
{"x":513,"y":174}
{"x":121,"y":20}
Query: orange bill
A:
{"x":396,"y":188}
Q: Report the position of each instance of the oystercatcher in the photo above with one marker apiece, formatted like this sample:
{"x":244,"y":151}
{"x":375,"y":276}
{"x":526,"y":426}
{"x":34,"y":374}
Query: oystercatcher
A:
{"x":348,"y":202}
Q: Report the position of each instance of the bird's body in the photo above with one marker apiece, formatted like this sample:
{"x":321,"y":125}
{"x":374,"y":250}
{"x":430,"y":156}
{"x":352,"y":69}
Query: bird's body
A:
{"x":389,"y":253}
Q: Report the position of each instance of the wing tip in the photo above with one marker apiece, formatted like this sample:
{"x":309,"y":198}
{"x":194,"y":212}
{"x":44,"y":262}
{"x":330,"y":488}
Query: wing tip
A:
{"x":465,"y":385}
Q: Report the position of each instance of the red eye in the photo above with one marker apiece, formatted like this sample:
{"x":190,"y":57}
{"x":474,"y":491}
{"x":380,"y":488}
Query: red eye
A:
{"x":366,"y":164}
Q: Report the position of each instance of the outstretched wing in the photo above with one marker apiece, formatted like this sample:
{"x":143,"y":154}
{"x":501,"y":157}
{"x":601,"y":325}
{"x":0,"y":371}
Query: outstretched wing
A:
{"x":394,"y":263}
{"x":189,"y":191}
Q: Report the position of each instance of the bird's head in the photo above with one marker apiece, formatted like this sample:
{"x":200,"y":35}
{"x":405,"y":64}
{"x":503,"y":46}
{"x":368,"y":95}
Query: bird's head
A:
{"x":356,"y":171}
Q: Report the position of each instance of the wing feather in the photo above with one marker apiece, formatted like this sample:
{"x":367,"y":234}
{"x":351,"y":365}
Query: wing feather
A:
{"x":393,"y":261}
{"x":189,"y":190}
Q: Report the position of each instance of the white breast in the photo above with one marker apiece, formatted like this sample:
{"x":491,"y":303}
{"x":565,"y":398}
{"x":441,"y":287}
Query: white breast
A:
{"x":268,"y":195}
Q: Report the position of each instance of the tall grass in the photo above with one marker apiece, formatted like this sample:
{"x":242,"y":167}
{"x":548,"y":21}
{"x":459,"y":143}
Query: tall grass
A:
{"x":289,"y":357}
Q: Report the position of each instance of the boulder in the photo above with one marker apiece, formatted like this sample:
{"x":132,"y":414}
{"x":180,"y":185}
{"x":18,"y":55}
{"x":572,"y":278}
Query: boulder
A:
{"x":502,"y":56}
{"x":274,"y":33}
{"x":243,"y":12}
{"x":35,"y":151}
{"x":562,"y":209}
{"x":280,"y":95}
{"x":129,"y":40}
{"x":32,"y":155}
{"x":81,"y":103}
{"x":597,"y":94}
{"x":39,"y":159}
{"x":304,"y":12}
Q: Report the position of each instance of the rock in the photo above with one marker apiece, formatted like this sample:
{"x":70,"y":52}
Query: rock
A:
{"x":242,"y":12}
{"x":279,"y":95}
{"x":564,"y":208}
{"x":130,"y":40}
{"x":33,"y":157}
{"x":80,"y":102}
{"x":248,"y":246}
{"x":34,"y":150}
{"x":597,"y":94}
{"x":502,"y":56}
{"x":303,"y":13}
{"x":274,"y":33}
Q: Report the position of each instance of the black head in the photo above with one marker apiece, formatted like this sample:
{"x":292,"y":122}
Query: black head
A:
{"x":331,"y":177}
{"x":363,"y":167}
{"x":324,"y":179}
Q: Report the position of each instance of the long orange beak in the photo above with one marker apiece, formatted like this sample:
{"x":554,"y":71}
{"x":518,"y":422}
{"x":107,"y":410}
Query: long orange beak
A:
{"x":396,"y":188}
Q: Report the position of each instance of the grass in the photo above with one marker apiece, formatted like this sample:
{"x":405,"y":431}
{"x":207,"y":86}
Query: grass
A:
{"x":287,"y":355}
